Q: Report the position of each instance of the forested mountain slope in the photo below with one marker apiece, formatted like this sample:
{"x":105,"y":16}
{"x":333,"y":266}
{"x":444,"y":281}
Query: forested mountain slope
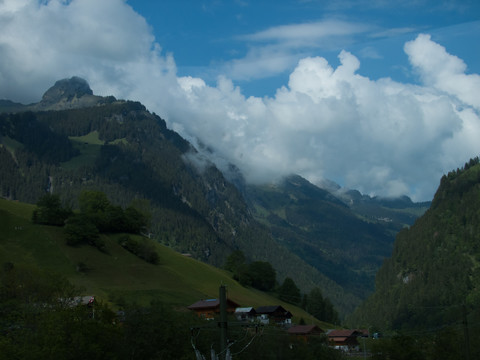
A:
{"x":73,"y":140}
{"x":323,"y":231}
{"x":432,"y":280}
{"x":119,"y":148}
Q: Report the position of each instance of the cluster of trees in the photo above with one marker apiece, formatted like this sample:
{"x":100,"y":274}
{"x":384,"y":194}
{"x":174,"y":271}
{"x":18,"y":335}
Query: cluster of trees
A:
{"x":50,"y":211}
{"x":96,"y":215}
{"x":319,"y":306}
{"x":454,"y":173}
{"x":38,"y":320}
{"x":109,"y":218}
{"x":447,"y":343}
{"x":313,"y":302}
{"x":261,"y":275}
{"x":142,"y":249}
{"x":258,"y":274}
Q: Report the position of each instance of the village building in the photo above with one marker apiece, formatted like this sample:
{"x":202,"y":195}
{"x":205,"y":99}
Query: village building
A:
{"x":345,"y":340}
{"x":247,"y":314}
{"x":305,"y":332}
{"x":87,"y":300}
{"x":274,"y":314}
{"x":363,"y":332}
{"x":208,"y":309}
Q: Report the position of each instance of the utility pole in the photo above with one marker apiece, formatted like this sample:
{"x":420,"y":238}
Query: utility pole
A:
{"x":465,"y":333}
{"x":223,"y":321}
{"x":223,"y":326}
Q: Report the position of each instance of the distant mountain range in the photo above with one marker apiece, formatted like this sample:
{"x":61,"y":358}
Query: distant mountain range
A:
{"x":431,"y":283}
{"x":345,"y":236}
{"x":73,"y":140}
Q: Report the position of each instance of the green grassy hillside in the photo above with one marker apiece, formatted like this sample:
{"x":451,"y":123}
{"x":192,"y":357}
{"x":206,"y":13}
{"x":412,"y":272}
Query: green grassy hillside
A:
{"x":117,"y":275}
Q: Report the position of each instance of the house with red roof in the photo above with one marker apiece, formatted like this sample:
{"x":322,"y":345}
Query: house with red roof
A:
{"x":274,"y":314}
{"x":305,"y":332}
{"x":207,"y":309}
{"x":344,"y":339}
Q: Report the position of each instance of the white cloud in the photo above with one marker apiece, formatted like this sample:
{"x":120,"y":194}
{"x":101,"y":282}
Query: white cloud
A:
{"x":43,"y":41}
{"x":278,"y":48}
{"x":370,"y":53}
{"x":261,"y":62}
{"x":443,"y":71}
{"x":393,"y":32}
{"x":378,"y":136}
{"x":311,"y":34}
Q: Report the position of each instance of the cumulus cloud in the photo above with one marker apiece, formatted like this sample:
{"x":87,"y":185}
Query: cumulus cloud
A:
{"x":443,"y":71}
{"x":42,"y":41}
{"x":379,"y":136}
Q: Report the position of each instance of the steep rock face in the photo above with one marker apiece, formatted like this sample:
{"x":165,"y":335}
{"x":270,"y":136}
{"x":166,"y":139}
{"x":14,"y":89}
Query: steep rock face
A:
{"x":70,"y":93}
{"x":67,"y":88}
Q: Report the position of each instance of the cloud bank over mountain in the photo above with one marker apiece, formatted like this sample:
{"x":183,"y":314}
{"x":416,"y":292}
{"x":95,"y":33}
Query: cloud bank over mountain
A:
{"x":379,"y":136}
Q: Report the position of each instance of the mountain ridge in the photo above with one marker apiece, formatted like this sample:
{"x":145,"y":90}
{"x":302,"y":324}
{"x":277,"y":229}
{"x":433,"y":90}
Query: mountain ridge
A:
{"x":120,"y":148}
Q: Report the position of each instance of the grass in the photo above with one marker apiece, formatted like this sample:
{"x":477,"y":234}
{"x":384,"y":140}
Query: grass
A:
{"x":91,"y":138}
{"x":89,"y":147}
{"x":119,"y":141}
{"x":11,"y":144}
{"x":117,"y":275}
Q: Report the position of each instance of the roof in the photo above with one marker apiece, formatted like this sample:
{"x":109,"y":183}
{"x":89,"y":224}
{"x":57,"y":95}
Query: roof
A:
{"x":205,"y":304}
{"x":245,"y":310}
{"x":341,"y":339}
{"x":304,"y":329}
{"x":364,"y":332}
{"x":343,"y":333}
{"x":79,"y":300}
{"x":210,"y":304}
{"x":271,"y":309}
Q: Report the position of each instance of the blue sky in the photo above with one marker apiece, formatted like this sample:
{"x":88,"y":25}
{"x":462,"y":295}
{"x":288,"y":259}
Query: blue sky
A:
{"x":379,"y":96}
{"x":208,"y":38}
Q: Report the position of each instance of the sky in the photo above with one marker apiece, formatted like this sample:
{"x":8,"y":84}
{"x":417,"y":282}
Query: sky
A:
{"x":379,"y":96}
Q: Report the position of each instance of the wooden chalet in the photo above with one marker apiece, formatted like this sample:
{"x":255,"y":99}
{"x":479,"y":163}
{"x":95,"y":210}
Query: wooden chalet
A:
{"x":245,"y":314}
{"x":363,"y":333}
{"x":207,"y":309}
{"x":274,"y":314}
{"x":344,"y":339}
{"x":305,"y":331}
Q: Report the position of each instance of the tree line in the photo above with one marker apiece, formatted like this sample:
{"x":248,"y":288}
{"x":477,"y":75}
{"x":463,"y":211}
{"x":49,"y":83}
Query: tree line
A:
{"x":97,"y":215}
{"x":261,"y":275}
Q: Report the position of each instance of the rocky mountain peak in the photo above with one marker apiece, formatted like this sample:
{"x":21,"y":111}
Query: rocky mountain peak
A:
{"x":69,"y":94}
{"x":67,"y":89}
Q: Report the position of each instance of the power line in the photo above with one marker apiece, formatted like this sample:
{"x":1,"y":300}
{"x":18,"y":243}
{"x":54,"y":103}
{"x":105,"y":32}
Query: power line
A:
{"x":223,"y":325}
